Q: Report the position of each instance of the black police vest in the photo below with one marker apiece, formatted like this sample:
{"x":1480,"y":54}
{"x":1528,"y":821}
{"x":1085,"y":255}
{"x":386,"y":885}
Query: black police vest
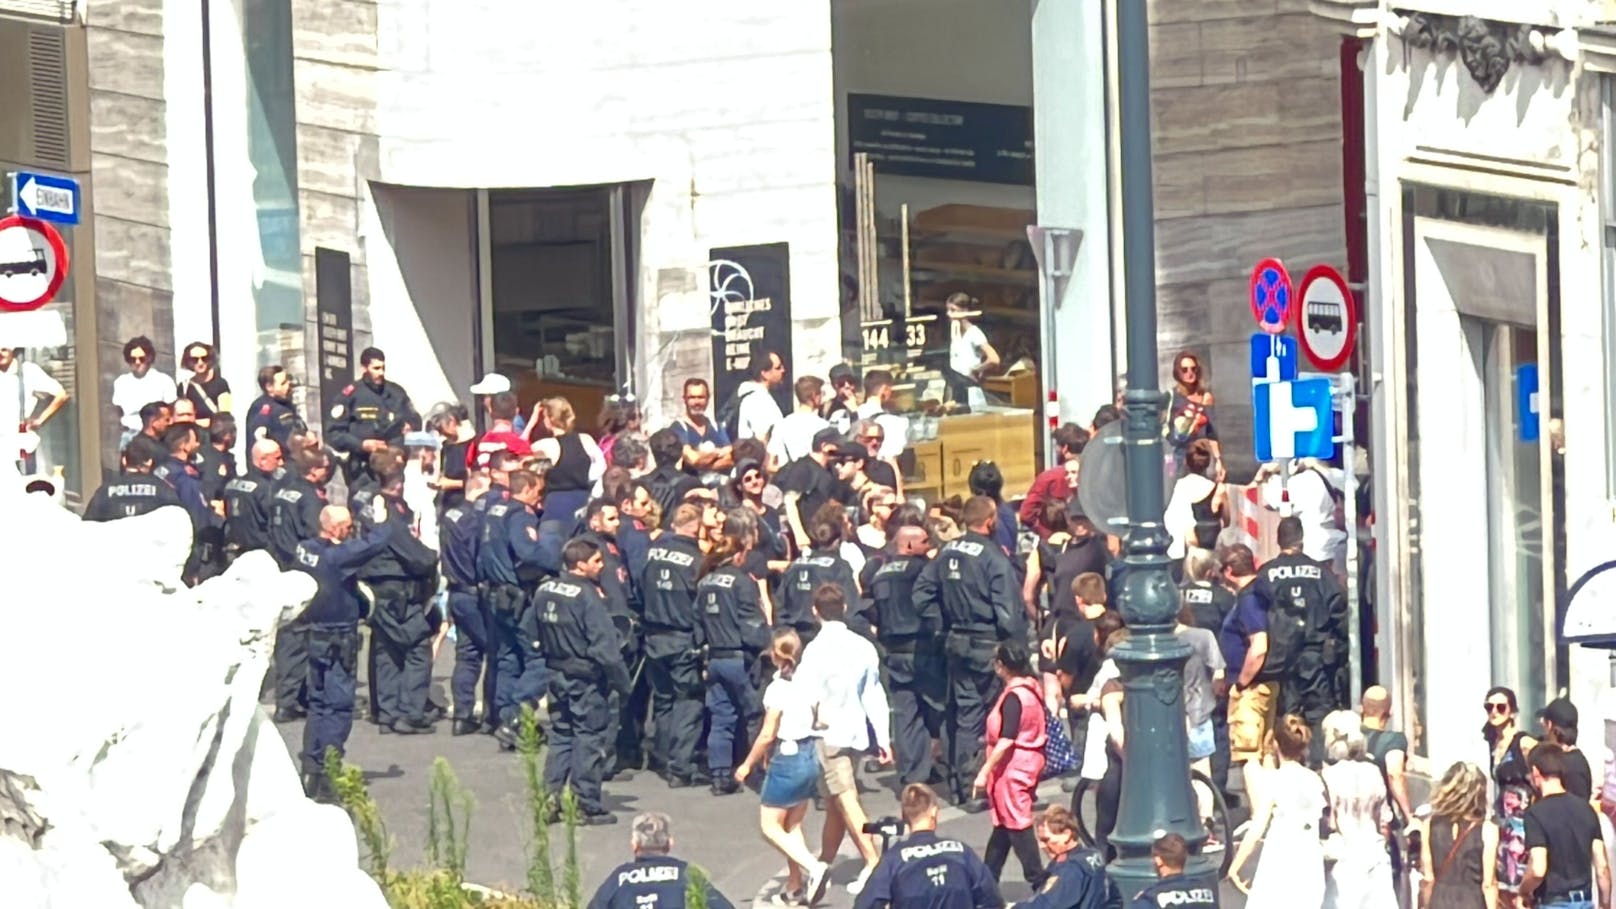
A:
{"x":1297,"y":605}
{"x":892,"y":588}
{"x":669,"y":584}
{"x":933,"y":871}
{"x":1175,"y":892}
{"x":804,"y":577}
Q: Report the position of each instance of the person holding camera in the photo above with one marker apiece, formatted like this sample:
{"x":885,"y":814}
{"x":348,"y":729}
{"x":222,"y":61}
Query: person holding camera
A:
{"x":924,"y":870}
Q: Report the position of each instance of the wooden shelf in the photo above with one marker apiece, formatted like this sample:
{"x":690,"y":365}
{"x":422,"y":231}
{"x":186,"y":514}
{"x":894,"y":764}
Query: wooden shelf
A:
{"x":974,"y":221}
{"x":1017,"y":276}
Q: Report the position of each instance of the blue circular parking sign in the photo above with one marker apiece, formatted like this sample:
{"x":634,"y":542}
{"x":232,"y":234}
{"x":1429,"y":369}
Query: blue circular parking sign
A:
{"x":1271,"y":296}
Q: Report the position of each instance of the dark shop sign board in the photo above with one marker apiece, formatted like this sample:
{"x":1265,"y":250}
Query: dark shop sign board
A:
{"x":751,"y":307}
{"x":948,"y":140}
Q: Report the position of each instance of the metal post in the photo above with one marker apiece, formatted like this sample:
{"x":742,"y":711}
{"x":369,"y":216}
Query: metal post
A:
{"x":1156,"y":793}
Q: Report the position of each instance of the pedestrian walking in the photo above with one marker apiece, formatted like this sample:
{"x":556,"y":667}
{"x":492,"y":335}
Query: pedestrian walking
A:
{"x":787,"y":744}
{"x":841,"y":674}
{"x":1566,"y":853}
{"x":1360,"y":871}
{"x":1507,"y":750}
{"x":1014,"y":761}
{"x":1459,"y":855}
{"x":1290,"y":873}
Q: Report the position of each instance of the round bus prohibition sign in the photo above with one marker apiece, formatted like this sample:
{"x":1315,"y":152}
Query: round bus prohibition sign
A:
{"x":33,"y":263}
{"x":1327,"y":318}
{"x":1271,"y":295}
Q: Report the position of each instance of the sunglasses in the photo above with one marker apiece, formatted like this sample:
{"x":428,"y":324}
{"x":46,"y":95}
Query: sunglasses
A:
{"x":751,"y":477}
{"x":1189,"y":367}
{"x":199,"y":358}
{"x":1495,"y":707}
{"x":871,"y":438}
{"x":136,"y":358}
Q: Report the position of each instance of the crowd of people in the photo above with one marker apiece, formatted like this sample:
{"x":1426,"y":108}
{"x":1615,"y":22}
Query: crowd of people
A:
{"x":747,"y":598}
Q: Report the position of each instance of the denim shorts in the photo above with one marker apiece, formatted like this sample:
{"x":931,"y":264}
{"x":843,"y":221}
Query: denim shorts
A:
{"x":792,"y":778}
{"x":1202,"y":741}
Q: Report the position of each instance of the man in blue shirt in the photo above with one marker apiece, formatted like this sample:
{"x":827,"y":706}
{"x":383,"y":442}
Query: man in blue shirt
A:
{"x":332,"y":623}
{"x":1253,"y":697}
{"x":707,"y":446}
{"x":927,"y":871}
{"x":655,"y":879}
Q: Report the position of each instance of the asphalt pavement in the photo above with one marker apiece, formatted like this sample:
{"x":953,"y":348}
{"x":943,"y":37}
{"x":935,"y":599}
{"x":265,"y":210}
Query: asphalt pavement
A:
{"x":718,"y":833}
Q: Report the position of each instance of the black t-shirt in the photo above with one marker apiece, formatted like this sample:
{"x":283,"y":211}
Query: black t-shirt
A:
{"x":1080,"y":658}
{"x":205,"y":395}
{"x":452,"y":461}
{"x":1579,"y":777}
{"x":1566,"y":825}
{"x":881,"y":473}
{"x":810,"y":480}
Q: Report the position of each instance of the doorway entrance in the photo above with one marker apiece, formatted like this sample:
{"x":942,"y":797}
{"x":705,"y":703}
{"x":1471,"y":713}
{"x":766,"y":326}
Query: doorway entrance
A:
{"x":1484,"y":561}
{"x":558,"y":292}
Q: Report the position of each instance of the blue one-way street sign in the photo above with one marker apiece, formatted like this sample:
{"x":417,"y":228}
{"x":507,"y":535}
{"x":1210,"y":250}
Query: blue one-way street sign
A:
{"x":46,"y":197}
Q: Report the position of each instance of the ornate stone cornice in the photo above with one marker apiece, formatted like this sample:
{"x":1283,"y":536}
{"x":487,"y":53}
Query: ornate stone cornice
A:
{"x":1598,"y":47}
{"x":1353,"y":18}
{"x":1486,"y":47}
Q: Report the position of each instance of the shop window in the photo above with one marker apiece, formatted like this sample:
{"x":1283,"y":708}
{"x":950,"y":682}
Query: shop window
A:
{"x":555,"y":312}
{"x":935,"y":162}
{"x":272,"y":151}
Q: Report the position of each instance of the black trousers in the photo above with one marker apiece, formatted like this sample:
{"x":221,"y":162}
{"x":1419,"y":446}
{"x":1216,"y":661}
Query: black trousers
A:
{"x":577,"y":743}
{"x":291,"y":662}
{"x":972,"y":689}
{"x":917,"y":684}
{"x":677,"y":695}
{"x":1025,"y":843}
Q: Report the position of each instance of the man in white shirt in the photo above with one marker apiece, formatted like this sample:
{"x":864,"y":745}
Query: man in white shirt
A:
{"x":141,"y":385}
{"x":841,"y":674}
{"x":760,"y":412}
{"x":1312,"y":491}
{"x":23,"y":386}
{"x":877,"y":394}
{"x":793,"y":436}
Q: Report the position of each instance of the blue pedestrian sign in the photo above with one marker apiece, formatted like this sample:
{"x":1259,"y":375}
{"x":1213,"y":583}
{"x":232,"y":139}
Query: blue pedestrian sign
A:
{"x":45,"y":197}
{"x":1294,"y":419}
{"x":1273,"y":358}
{"x":1527,"y":402}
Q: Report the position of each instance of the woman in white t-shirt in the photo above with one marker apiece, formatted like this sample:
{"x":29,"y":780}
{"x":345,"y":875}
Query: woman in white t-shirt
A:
{"x":786,"y":745}
{"x":969,"y":353}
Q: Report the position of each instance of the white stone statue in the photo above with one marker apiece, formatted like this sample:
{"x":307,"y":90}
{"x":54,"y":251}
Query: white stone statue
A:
{"x":136,"y":768}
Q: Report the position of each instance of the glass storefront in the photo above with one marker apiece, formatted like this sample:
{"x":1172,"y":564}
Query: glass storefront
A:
{"x":940,"y":284}
{"x":272,"y":153}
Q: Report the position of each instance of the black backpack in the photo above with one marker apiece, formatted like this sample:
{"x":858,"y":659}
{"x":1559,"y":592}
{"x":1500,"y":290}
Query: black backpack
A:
{"x":729,"y":415}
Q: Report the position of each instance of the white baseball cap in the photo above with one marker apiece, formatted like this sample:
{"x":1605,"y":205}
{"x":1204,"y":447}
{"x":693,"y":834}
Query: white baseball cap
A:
{"x":491,"y":384}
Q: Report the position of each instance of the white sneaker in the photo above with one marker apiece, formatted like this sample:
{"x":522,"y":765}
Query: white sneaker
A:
{"x":857,"y":887}
{"x":818,"y":879}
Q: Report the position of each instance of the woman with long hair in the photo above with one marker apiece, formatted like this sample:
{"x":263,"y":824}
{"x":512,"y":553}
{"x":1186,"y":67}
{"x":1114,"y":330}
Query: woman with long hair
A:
{"x":620,"y":414}
{"x":1042,"y":558}
{"x":1191,"y":413}
{"x":1199,"y":508}
{"x":1459,"y":855}
{"x":1290,"y":874}
{"x":576,"y":463}
{"x":1507,"y":748}
{"x":746,"y":490}
{"x":1013,"y":762}
{"x":1360,"y":873}
{"x":786,"y":745}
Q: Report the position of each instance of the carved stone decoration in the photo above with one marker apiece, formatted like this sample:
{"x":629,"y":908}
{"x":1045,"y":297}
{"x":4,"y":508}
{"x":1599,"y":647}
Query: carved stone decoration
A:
{"x":1486,"y":47}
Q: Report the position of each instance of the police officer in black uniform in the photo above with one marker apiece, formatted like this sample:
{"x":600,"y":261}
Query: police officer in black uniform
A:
{"x":182,"y":441}
{"x":294,"y":517}
{"x":584,"y":657}
{"x":1075,"y":877}
{"x":218,"y":458}
{"x":1173,"y":890}
{"x":402,"y":578}
{"x":730,"y":603}
{"x":917,"y":675}
{"x":249,"y":501}
{"x":973,"y":583}
{"x":928,"y":871}
{"x":601,"y":523}
{"x":1210,"y":603}
{"x":1307,"y":631}
{"x":511,"y":559}
{"x":370,"y":414}
{"x":272,"y":415}
{"x":822,"y":564}
{"x":135,"y":491}
{"x":673,"y":639}
{"x":332,"y":619}
{"x":655,"y":879}
{"x":459,"y":533}
{"x":634,"y":544}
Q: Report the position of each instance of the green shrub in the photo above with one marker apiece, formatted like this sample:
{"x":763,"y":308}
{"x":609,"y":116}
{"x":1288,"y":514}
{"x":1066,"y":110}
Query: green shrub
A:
{"x":441,"y":883}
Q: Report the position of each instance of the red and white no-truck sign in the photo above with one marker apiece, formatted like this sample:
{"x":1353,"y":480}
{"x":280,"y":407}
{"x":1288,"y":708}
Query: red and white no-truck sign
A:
{"x":33,"y":263}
